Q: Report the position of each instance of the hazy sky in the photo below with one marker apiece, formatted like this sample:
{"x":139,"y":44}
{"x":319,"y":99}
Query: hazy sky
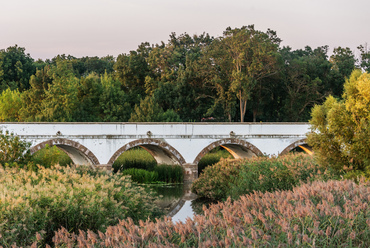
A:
{"x":111,"y":27}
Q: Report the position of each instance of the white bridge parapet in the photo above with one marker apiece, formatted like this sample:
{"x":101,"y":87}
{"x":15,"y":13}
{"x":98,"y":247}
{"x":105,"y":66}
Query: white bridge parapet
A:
{"x":100,"y":144}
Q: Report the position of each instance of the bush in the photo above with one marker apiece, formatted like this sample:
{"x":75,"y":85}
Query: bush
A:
{"x":237,"y":177}
{"x":211,"y":158}
{"x":13,"y":149}
{"x":317,"y":214}
{"x":215,"y":181}
{"x":45,"y":201}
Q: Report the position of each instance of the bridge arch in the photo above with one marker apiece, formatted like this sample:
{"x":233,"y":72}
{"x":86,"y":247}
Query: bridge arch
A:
{"x":302,"y":142}
{"x":78,"y":153}
{"x":237,"y":147}
{"x":161,"y":151}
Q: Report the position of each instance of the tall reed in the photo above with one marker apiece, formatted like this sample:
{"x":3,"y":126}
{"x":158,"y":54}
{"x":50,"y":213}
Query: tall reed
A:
{"x":135,"y":158}
{"x":48,"y":199}
{"x":315,"y":214}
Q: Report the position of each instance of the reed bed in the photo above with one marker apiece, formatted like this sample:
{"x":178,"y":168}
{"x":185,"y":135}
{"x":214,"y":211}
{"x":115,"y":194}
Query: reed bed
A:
{"x":75,"y":198}
{"x":315,"y":214}
{"x":135,"y":158}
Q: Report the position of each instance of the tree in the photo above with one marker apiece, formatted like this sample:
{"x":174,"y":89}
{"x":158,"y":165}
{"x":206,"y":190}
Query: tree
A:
{"x":150,"y":111}
{"x":341,"y":128}
{"x":60,"y":102}
{"x":10,"y":105}
{"x":364,"y":57}
{"x":304,"y":79}
{"x":254,"y":55}
{"x":33,"y":97}
{"x":16,"y":68}
{"x":114,"y":102}
{"x":343,"y":63}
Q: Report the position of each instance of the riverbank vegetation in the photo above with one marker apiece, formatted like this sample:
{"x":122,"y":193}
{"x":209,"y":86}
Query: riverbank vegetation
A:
{"x":314,"y":214}
{"x":290,"y":200}
{"x":44,"y":200}
{"x":242,"y":75}
{"x":233,"y":178}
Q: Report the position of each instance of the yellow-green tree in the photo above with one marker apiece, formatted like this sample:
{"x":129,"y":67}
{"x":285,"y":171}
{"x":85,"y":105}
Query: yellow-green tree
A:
{"x":10,"y":104}
{"x":341,"y":128}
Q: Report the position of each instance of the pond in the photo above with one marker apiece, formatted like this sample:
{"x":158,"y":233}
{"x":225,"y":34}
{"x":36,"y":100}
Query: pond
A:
{"x":178,"y":201}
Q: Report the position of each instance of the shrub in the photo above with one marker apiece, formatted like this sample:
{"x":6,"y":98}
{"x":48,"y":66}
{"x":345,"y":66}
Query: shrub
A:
{"x":211,"y":158}
{"x":13,"y":149}
{"x":214,"y":182}
{"x":317,"y":214}
{"x":237,"y":177}
{"x":42,"y":202}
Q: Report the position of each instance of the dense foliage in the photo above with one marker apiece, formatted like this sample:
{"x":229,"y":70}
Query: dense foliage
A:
{"x":242,"y":75}
{"x":142,"y":167}
{"x":74,"y":198}
{"x":13,"y":149}
{"x":317,"y":214}
{"x":341,"y":128}
{"x":233,"y":178}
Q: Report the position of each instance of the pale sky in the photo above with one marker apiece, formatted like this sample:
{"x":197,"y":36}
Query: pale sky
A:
{"x":47,"y":28}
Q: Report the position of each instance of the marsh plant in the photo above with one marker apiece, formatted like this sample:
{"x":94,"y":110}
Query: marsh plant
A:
{"x":315,"y":214}
{"x":44,"y":201}
{"x":233,"y":178}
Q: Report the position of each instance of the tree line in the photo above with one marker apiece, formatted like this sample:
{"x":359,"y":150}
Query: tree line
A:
{"x":243,"y":75}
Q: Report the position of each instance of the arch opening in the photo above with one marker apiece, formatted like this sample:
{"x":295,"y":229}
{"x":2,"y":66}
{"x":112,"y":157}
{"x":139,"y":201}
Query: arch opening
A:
{"x":298,"y":146}
{"x":162,"y":152}
{"x":78,"y":153}
{"x":234,"y":148}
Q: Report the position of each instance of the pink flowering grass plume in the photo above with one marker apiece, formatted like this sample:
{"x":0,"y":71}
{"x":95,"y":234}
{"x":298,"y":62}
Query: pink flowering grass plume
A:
{"x":315,"y":214}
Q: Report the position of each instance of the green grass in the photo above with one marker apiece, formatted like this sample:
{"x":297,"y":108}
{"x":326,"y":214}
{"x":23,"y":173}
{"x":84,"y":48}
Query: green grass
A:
{"x":143,"y":168}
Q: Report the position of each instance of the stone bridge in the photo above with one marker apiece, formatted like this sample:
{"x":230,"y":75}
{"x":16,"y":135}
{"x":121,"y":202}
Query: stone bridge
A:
{"x":100,"y":144}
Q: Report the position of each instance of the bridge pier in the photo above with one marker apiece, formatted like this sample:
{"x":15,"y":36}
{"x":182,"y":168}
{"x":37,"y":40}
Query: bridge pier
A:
{"x":191,"y":172}
{"x":107,"y":167}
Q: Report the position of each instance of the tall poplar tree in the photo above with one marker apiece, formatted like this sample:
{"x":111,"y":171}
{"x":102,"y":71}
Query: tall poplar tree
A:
{"x":254,"y":55}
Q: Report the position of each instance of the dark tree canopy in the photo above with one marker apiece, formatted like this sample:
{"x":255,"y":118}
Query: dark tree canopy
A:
{"x":243,"y":75}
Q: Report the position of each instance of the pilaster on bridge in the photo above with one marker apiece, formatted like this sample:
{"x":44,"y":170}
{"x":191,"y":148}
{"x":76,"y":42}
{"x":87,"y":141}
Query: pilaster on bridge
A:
{"x":185,"y":144}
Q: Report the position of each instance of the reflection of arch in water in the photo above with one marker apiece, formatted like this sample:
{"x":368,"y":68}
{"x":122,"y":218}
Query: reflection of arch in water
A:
{"x":300,"y":143}
{"x":237,"y":148}
{"x":177,"y":206}
{"x":79,"y":154}
{"x":161,"y":151}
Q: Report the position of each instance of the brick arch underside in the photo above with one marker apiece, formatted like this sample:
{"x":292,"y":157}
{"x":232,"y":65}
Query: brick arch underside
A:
{"x":78,"y":153}
{"x":302,"y":142}
{"x":161,"y":151}
{"x":237,"y":148}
